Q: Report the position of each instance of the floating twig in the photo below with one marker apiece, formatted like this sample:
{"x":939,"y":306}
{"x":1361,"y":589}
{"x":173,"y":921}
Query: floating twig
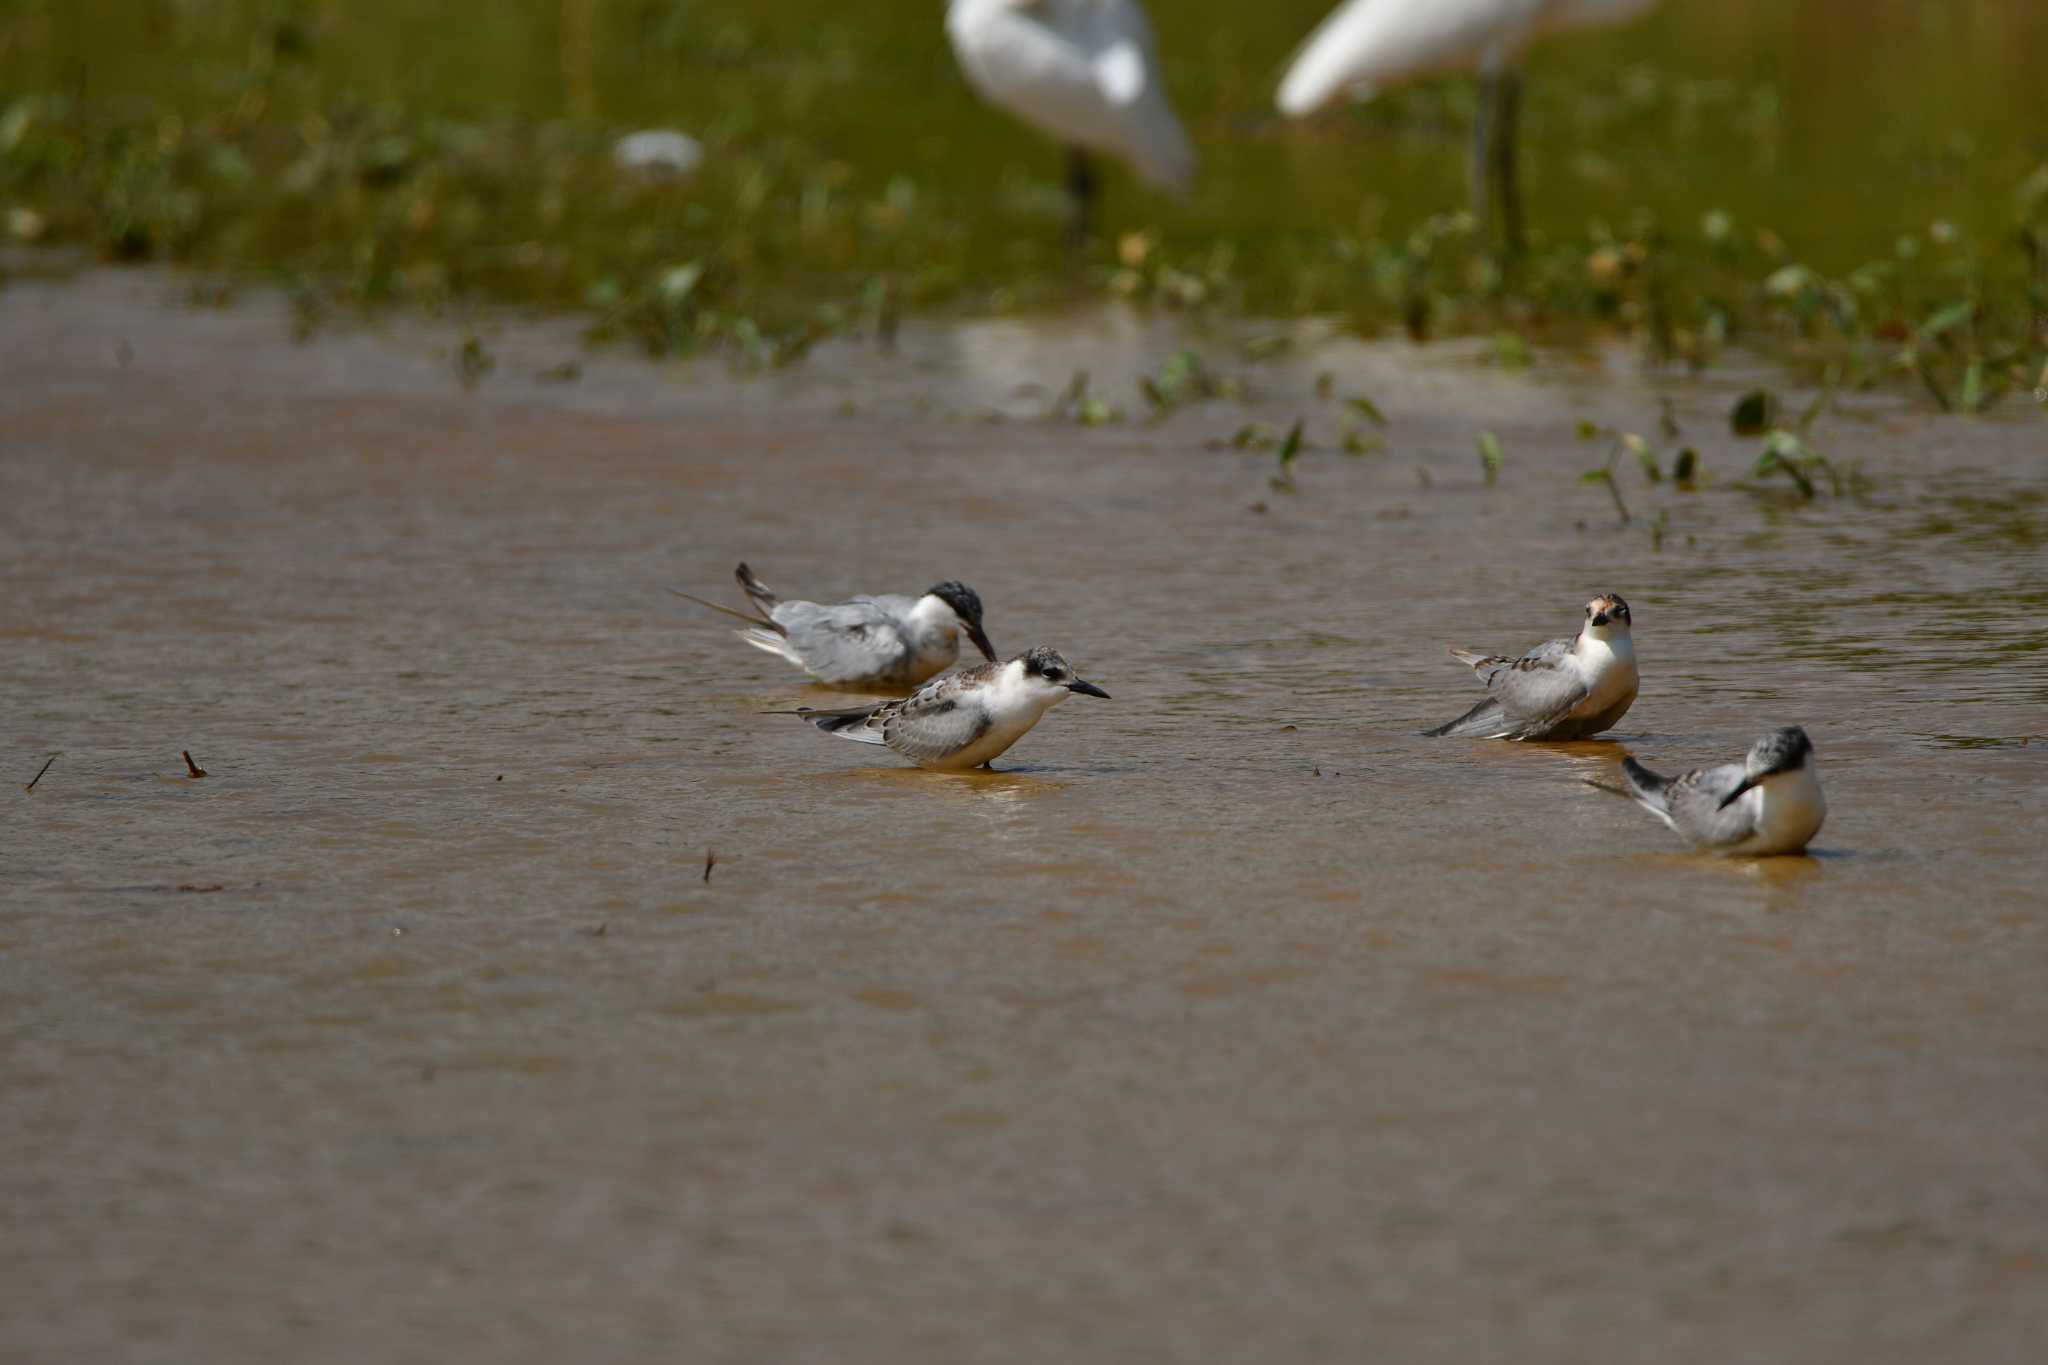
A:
{"x":39,"y":773}
{"x":710,"y":861}
{"x":191,"y":769}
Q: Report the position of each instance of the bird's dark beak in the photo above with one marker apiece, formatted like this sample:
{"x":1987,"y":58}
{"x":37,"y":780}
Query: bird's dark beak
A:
{"x":1732,"y":797}
{"x":1087,"y":689}
{"x":1600,"y":618}
{"x":980,"y":638}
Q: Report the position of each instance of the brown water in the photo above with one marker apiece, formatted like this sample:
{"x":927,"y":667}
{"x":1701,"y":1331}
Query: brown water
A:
{"x":1234,"y":1021}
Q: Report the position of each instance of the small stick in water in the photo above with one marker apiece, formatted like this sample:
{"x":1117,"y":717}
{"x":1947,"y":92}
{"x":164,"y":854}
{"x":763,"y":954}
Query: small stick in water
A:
{"x":191,"y":769}
{"x":39,"y":773}
{"x":710,"y":861}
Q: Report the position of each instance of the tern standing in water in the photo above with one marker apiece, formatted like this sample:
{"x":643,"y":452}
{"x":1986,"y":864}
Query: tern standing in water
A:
{"x":1565,"y":689}
{"x":1769,"y":803}
{"x":870,"y":642}
{"x":965,"y":719}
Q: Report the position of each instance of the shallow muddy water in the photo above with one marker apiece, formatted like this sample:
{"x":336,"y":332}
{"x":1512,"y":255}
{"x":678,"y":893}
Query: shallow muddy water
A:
{"x":1232,"y":1020}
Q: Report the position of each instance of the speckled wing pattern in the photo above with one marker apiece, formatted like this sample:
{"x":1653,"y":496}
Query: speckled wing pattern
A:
{"x":940,"y":718}
{"x":847,"y":642}
{"x":1539,"y":688}
{"x":1529,"y":695}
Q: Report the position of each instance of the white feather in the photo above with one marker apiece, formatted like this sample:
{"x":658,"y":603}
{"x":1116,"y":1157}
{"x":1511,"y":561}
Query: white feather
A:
{"x":1085,"y":71}
{"x":1366,"y":45}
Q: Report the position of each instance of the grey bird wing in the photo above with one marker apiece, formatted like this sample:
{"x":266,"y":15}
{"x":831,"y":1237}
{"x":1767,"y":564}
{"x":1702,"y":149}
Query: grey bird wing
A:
{"x":1527,"y":697}
{"x":1541,"y":687}
{"x":857,"y":723}
{"x":1485,"y":665}
{"x":1694,"y":802}
{"x":939,"y":719}
{"x":1490,"y":666}
{"x":845,"y":643}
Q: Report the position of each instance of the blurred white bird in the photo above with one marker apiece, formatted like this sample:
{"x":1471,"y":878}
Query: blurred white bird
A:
{"x":1085,"y":71}
{"x":1366,"y":45}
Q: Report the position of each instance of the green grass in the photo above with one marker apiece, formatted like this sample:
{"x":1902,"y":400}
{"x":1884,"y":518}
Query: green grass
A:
{"x":1846,"y":181}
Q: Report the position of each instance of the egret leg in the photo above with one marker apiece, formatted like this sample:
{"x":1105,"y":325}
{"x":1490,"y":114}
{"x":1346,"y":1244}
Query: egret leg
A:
{"x":1508,"y":94}
{"x":1481,"y":169}
{"x":1081,"y":192}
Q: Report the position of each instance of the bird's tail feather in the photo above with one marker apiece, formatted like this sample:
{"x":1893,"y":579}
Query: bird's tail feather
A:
{"x":1645,"y":786}
{"x":756,"y":590}
{"x":1485,"y":721}
{"x":1485,"y":666}
{"x":758,"y":621}
{"x":845,"y":722}
{"x":771,"y":641}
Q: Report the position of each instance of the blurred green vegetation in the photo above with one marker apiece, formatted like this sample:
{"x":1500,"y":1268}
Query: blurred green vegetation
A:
{"x":1861,"y":183}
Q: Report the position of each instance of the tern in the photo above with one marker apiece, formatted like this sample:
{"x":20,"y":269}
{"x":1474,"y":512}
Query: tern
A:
{"x":1565,"y":689}
{"x":1769,"y":803}
{"x":1085,"y":71}
{"x":1368,"y":44}
{"x":870,"y":642}
{"x":965,"y":719}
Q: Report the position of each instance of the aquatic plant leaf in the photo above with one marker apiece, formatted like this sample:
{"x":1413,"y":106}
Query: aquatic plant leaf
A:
{"x":1490,"y":456}
{"x":1291,"y":445}
{"x":1647,"y":458}
{"x":1947,"y":319}
{"x":1752,"y":413}
{"x":1973,"y":396}
{"x":1605,"y":477}
{"x":1367,"y":409}
{"x":1784,"y":452}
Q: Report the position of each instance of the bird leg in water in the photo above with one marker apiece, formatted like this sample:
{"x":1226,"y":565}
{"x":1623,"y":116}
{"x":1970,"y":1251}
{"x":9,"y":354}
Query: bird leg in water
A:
{"x":1081,"y":192}
{"x":1508,"y":97}
{"x":1481,"y":169}
{"x":1494,"y":182}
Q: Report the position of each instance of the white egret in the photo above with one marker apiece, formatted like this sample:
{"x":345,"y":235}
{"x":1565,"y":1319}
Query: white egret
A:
{"x":1365,"y":45}
{"x":1085,"y":71}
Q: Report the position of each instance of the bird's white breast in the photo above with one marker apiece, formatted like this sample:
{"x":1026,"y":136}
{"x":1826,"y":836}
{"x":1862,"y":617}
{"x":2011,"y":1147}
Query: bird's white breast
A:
{"x":1013,"y":704}
{"x":1786,"y":812}
{"x":1608,"y":668}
